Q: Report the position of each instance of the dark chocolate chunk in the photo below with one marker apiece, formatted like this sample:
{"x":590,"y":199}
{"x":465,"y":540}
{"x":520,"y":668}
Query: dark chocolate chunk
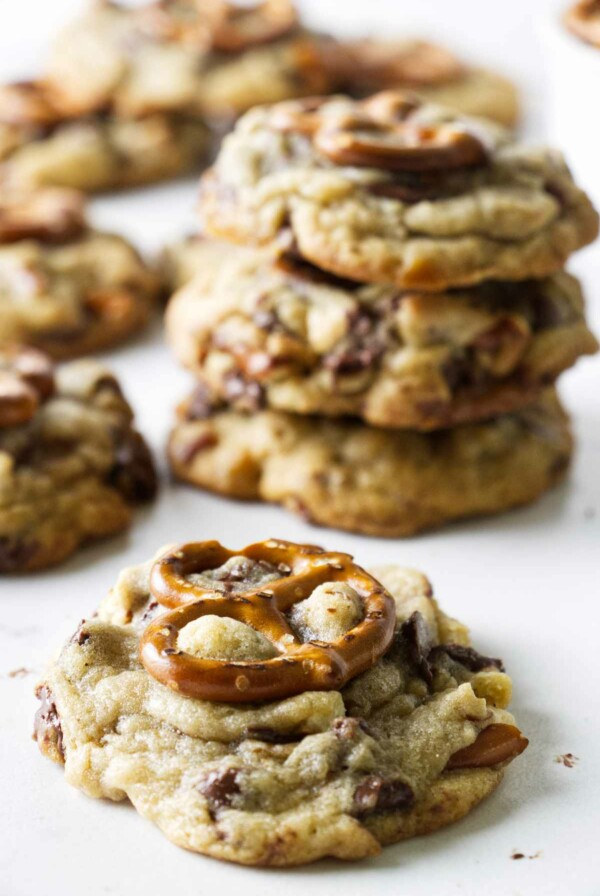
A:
{"x":133,"y":473}
{"x":413,"y":635}
{"x":466,"y":656}
{"x":270,"y":736}
{"x":377,"y":794}
{"x":219,"y":787}
{"x":246,"y":394}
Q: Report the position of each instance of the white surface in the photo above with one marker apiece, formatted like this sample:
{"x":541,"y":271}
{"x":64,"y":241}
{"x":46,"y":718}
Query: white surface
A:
{"x":526,"y":582}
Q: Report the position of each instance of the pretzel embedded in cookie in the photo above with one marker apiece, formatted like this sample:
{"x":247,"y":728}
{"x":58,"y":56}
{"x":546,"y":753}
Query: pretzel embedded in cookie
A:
{"x":384,"y":133}
{"x":300,"y":666}
{"x":237,"y":28}
{"x":50,"y":215}
{"x":26,"y":381}
{"x":583,"y":20}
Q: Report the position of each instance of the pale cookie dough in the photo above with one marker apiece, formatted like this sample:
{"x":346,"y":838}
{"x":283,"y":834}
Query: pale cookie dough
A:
{"x":65,"y":287}
{"x":326,"y":773}
{"x":390,"y":191}
{"x":291,"y":338}
{"x":72,"y":467}
{"x":431,"y":71}
{"x":42,"y":143}
{"x":216,"y":59}
{"x":390,"y":483}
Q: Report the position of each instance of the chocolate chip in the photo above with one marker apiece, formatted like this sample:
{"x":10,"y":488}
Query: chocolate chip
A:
{"x":467,"y":657}
{"x":133,"y":473}
{"x":150,"y":610}
{"x":413,"y":635}
{"x":270,"y":736}
{"x":220,"y":787}
{"x":377,"y":794}
{"x":47,"y":729}
{"x":15,"y":553}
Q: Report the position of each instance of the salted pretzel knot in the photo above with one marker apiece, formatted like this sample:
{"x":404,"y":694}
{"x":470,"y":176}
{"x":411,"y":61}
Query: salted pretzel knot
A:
{"x":26,"y":380}
{"x":382,"y":132}
{"x":300,"y":666}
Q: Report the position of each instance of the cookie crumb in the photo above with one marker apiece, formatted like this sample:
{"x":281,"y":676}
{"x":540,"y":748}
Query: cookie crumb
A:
{"x":567,"y":759}
{"x":21,"y":672}
{"x":521,"y":855}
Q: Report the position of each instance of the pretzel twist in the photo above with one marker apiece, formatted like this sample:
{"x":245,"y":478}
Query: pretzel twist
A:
{"x":383,"y":132}
{"x":26,"y":380}
{"x":300,"y":666}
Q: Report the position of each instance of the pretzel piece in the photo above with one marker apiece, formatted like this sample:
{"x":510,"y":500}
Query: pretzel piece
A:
{"x":300,"y":666}
{"x":583,"y":20}
{"x":384,"y":133}
{"x":26,"y":380}
{"x":50,"y":215}
{"x":495,"y":744}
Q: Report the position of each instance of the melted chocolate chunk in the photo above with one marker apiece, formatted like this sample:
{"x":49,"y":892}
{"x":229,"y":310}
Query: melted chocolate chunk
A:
{"x":220,"y":787}
{"x":133,"y":473}
{"x":377,"y":794}
{"x":270,"y":736}
{"x":81,"y":636}
{"x":413,"y":635}
{"x":467,"y":657}
{"x":15,"y":553}
{"x":47,"y":729}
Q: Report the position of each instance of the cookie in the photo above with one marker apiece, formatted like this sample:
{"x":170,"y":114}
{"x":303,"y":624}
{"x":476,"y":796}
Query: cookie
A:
{"x":389,"y":483}
{"x":217,"y":59}
{"x":583,"y":20}
{"x":432,"y":72}
{"x":72,"y":467}
{"x":42,"y":143}
{"x":65,"y":287}
{"x":294,"y":339}
{"x":390,"y":190}
{"x":337,"y":765}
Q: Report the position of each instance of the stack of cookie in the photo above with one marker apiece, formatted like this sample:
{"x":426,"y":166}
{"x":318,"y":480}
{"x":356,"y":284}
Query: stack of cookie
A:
{"x":380,"y":355}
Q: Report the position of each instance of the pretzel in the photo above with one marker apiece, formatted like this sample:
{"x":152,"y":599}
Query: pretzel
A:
{"x":237,"y":28}
{"x":51,"y":215}
{"x":381,"y":64}
{"x":28,"y":103}
{"x":300,"y":666}
{"x":26,"y":380}
{"x":495,"y":744}
{"x":383,"y":133}
{"x":583,"y":20}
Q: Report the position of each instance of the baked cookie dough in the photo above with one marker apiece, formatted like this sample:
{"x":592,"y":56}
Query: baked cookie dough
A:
{"x":389,"y":190}
{"x":390,"y":483}
{"x":583,"y":20}
{"x":65,"y":287}
{"x":214,"y":59}
{"x":44,"y":142}
{"x":411,"y":744}
{"x":72,"y":467}
{"x":294,"y":339}
{"x":432,"y":72}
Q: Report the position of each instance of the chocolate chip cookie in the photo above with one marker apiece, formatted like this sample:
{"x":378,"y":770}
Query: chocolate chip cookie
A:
{"x":338,"y":766}
{"x":389,"y":483}
{"x":72,"y":467}
{"x":290,"y":337}
{"x":45,"y":142}
{"x":431,"y":71}
{"x":64,"y":286}
{"x":213,"y":59}
{"x":391,"y":190}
